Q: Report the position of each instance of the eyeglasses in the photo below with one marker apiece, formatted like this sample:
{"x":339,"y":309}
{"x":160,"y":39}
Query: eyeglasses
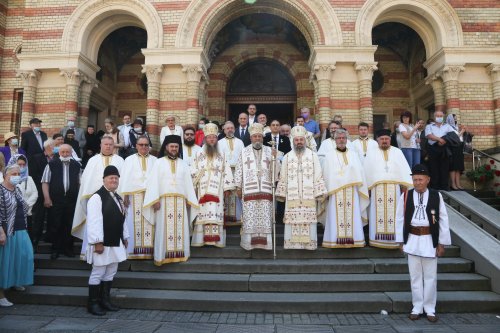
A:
{"x":189,"y":134}
{"x":143,"y":144}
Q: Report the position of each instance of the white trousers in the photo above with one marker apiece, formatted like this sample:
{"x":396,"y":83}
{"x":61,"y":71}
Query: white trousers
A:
{"x":103,"y":273}
{"x":423,"y":276}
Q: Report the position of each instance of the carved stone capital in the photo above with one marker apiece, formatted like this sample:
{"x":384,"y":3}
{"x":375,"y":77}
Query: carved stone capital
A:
{"x":87,"y":85}
{"x":494,"y":71}
{"x":30,"y":78}
{"x":153,"y":73}
{"x":365,"y":71}
{"x":434,"y":80}
{"x":73,"y":76}
{"x":451,"y":72}
{"x":323,"y":72}
{"x":194,"y":72}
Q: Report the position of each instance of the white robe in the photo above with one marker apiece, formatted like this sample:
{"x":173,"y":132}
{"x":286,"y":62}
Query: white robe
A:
{"x":165,"y":130}
{"x":232,"y":204}
{"x":328,"y":146}
{"x":189,"y":153}
{"x":385,"y":172}
{"x":133,"y":176}
{"x":348,"y":200}
{"x":90,"y":182}
{"x":362,"y":149}
{"x":169,"y":183}
{"x":301,"y":184}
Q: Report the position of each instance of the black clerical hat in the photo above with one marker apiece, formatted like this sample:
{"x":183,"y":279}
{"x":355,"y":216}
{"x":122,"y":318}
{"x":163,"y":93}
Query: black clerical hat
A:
{"x":172,"y":139}
{"x":111,"y":170}
{"x":383,"y":132}
{"x":420,"y":169}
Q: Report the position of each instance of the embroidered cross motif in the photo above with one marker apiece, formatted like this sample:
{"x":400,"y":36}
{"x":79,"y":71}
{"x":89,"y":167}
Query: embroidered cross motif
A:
{"x":137,"y":212}
{"x":248,"y":162}
{"x":268,"y":162}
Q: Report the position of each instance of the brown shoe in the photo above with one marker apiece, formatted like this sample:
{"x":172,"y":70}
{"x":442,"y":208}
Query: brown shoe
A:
{"x":432,"y":319}
{"x":413,"y":316}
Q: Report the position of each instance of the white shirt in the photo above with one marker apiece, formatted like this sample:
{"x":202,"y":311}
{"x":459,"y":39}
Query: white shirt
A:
{"x":438,"y":131}
{"x":408,"y":143}
{"x":125,"y":129}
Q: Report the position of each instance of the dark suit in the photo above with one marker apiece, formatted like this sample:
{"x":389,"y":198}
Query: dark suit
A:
{"x":246,"y":138}
{"x":30,"y":144}
{"x":283,"y":142}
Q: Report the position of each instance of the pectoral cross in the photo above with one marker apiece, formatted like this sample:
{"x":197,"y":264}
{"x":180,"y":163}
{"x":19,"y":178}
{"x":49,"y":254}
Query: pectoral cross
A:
{"x":386,"y":168}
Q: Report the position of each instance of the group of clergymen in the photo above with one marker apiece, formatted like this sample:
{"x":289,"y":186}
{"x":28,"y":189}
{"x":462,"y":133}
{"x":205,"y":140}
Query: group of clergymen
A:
{"x":165,"y":201}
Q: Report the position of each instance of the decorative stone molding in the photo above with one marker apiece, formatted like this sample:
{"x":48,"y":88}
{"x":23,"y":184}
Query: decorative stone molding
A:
{"x":494,"y":71}
{"x":194,"y":72}
{"x":323,"y":72}
{"x":30,"y":78}
{"x":73,"y":76}
{"x":88,"y":84}
{"x":365,"y":71}
{"x":451,"y":72}
{"x":153,"y":73}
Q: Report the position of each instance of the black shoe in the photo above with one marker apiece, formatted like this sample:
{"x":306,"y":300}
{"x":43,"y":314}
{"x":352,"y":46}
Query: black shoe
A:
{"x":93,"y":306}
{"x":54,"y":255}
{"x":105,"y":300}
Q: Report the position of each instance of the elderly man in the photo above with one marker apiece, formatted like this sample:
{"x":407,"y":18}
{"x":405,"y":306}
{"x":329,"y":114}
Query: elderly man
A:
{"x":262,"y":119}
{"x":169,"y":188}
{"x":348,"y":196}
{"x":135,"y":173}
{"x":422,"y":230}
{"x":301,"y":184}
{"x":32,"y":140}
{"x":79,"y":133}
{"x":285,"y":130}
{"x":171,"y":129}
{"x":231,"y":147}
{"x":242,"y":130}
{"x":310,"y":124}
{"x":328,"y":145}
{"x":387,"y":172}
{"x":189,"y":148}
{"x":363,"y":144}
{"x":60,"y":185}
{"x":90,"y":183}
{"x":213,"y":180}
{"x":253,"y":179}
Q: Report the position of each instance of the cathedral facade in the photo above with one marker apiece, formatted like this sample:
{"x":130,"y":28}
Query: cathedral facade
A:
{"x":367,"y":60}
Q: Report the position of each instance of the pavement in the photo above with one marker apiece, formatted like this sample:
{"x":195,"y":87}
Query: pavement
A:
{"x":48,"y":318}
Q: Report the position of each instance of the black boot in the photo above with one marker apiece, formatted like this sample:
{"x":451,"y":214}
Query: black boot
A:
{"x":105,"y":300}
{"x":93,"y":302}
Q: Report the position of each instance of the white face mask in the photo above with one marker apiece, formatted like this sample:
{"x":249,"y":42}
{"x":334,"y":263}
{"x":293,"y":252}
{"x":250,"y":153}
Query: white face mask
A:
{"x":71,"y":123}
{"x":439,"y":120}
{"x":14,"y":142}
{"x":201,"y":126}
{"x":137,"y":129}
{"x":14,"y":180}
{"x":65,"y":159}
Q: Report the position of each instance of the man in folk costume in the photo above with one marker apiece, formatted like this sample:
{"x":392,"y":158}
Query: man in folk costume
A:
{"x":363,"y":144}
{"x":387,"y":172}
{"x":231,"y":147}
{"x":253,"y":179}
{"x":348,"y":201}
{"x":135,"y":172}
{"x":170,"y":204}
{"x":301,"y":184}
{"x":328,"y":145}
{"x":213,"y":180}
{"x":422,"y":230}
{"x":189,"y":148}
{"x":107,"y":236}
{"x":90,"y":182}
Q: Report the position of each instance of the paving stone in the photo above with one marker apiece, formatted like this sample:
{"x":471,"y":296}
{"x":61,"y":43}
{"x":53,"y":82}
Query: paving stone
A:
{"x":245,"y":329}
{"x":477,"y":328}
{"x":436,"y":328}
{"x":23,"y":323}
{"x":73,"y":324}
{"x":127,"y":326}
{"x":304,"y":329}
{"x":364,"y":329}
{"x":186,"y":328}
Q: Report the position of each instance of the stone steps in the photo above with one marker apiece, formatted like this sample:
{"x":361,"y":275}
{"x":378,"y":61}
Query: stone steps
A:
{"x":325,"y":302}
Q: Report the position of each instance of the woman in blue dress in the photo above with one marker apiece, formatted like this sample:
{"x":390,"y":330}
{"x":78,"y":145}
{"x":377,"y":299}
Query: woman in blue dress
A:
{"x":16,"y":252}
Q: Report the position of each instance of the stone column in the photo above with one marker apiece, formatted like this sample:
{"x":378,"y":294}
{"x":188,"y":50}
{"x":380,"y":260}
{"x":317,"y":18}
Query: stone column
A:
{"x":30,"y":83}
{"x":323,"y":74}
{"x":74,"y":78}
{"x":84,"y":104}
{"x":365,"y":75}
{"x":494,"y":71}
{"x":153,"y":74}
{"x":450,"y":74}
{"x":194,"y":73}
{"x":437,"y":86}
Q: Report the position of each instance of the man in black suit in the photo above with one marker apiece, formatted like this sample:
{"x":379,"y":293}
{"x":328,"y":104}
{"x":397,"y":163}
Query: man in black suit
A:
{"x":252,"y":114}
{"x":32,"y":140}
{"x":283,"y":142}
{"x":242,"y":130}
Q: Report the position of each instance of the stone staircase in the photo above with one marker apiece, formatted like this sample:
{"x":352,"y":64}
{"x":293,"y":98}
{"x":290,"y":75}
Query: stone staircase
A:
{"x":234,"y":280}
{"x":488,"y":197}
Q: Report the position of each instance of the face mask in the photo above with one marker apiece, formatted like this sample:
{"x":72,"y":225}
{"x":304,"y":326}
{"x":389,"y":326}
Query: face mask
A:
{"x":14,"y":142}
{"x":71,"y":123}
{"x":56,"y":150}
{"x":36,"y":129}
{"x":65,"y":159}
{"x":14,"y":180}
{"x":24,"y":171}
{"x":305,"y":116}
{"x":439,"y":120}
{"x":137,"y":129}
{"x":201,"y":126}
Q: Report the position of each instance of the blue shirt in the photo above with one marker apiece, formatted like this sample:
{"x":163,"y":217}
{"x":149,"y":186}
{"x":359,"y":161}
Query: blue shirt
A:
{"x":312,"y":126}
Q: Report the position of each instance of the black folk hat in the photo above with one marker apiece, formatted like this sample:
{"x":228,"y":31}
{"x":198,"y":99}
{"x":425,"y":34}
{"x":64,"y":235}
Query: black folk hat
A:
{"x":111,"y":170}
{"x":420,"y":169}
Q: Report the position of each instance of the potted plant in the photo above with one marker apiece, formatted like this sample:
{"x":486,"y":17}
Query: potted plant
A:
{"x":483,"y":173}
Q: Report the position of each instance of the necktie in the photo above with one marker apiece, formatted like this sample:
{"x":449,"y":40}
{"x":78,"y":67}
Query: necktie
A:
{"x":275,"y":142}
{"x":242,"y":132}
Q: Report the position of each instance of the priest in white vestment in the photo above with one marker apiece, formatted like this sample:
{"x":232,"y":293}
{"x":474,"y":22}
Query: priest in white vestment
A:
{"x":171,"y":129}
{"x":231,"y":147}
{"x":213,"y":181}
{"x":90,"y":182}
{"x":189,"y":148}
{"x":170,"y":205}
{"x":348,"y":196}
{"x":134,"y":174}
{"x":386,"y":171}
{"x":328,"y":145}
{"x":253,"y":179}
{"x":363,"y":143}
{"x":301,"y":184}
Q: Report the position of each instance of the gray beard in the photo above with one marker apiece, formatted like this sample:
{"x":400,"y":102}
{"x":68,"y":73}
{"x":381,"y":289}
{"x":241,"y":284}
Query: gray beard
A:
{"x":257,"y":145}
{"x":298,"y":150}
{"x":211,"y":150}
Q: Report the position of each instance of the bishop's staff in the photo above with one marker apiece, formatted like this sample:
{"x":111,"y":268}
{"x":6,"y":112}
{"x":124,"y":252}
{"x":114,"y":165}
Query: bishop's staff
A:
{"x":273,"y":180}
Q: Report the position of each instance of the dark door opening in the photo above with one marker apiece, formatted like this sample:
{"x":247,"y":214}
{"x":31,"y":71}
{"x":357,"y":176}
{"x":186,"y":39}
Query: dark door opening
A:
{"x":284,"y":113}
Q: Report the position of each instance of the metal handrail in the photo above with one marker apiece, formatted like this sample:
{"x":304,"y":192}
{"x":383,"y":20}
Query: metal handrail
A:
{"x":474,"y":150}
{"x":483,"y":153}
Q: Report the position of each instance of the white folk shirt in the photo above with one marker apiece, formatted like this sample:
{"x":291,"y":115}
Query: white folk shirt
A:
{"x":167,"y":131}
{"x":422,"y":246}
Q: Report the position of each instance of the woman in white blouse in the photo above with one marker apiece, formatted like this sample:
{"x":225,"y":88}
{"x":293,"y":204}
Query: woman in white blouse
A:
{"x":409,"y":136}
{"x":171,"y":129}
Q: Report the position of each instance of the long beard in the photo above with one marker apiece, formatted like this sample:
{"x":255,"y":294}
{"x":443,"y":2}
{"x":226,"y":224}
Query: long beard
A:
{"x":211,"y":150}
{"x":257,"y":145}
{"x":299,"y":150}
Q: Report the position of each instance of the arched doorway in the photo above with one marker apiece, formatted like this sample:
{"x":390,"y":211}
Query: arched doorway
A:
{"x":265,"y":83}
